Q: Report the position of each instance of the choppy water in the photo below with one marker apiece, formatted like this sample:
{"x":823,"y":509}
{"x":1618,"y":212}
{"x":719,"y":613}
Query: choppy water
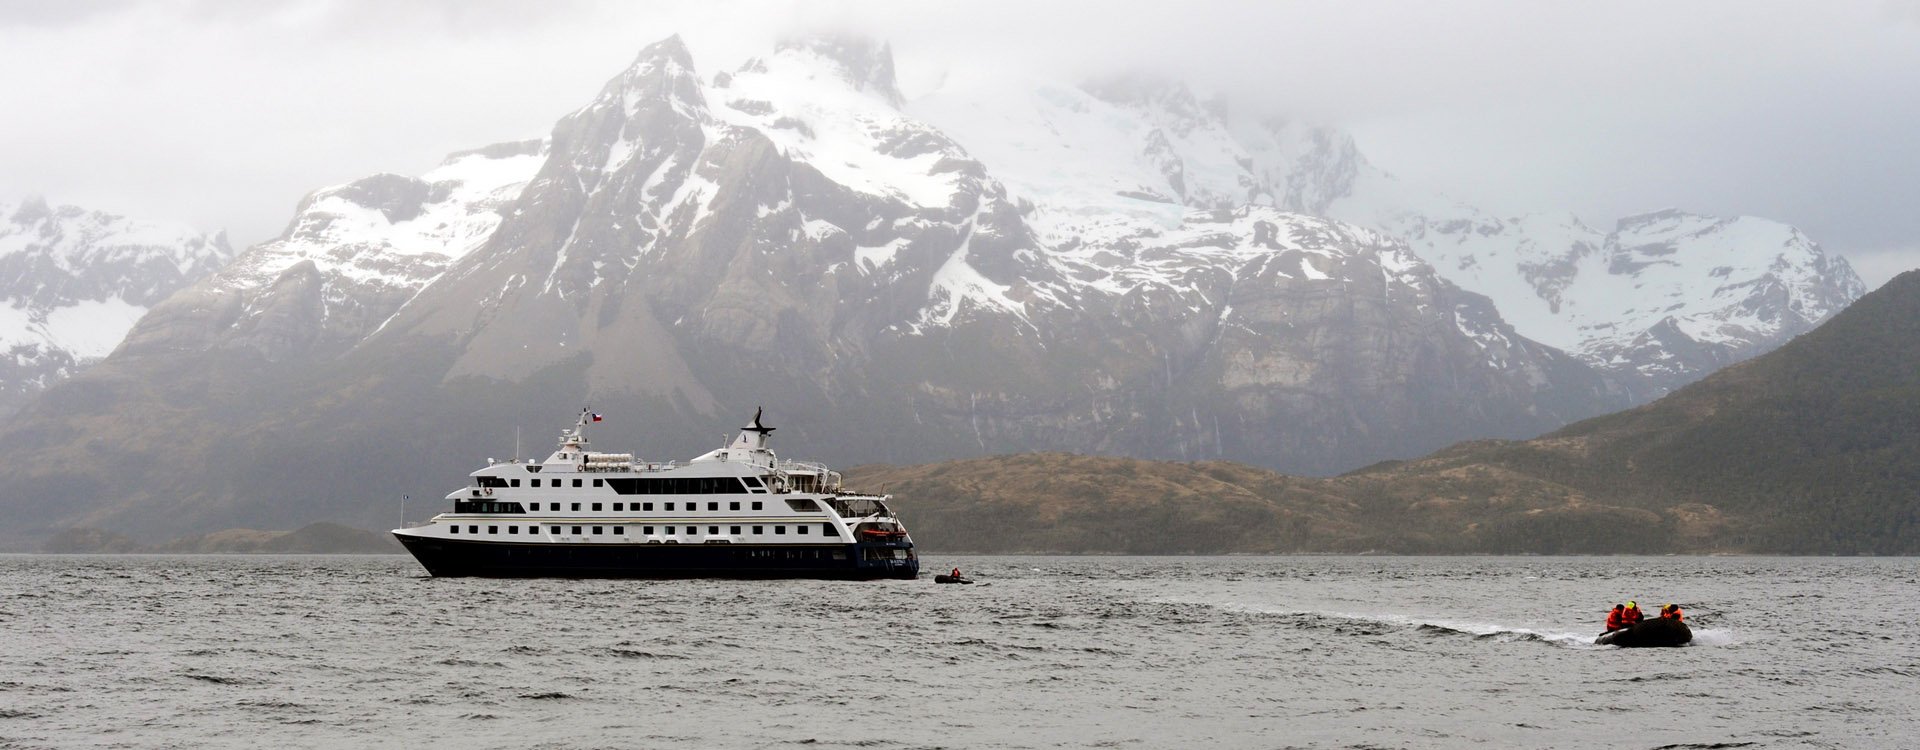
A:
{"x":1052,"y":652}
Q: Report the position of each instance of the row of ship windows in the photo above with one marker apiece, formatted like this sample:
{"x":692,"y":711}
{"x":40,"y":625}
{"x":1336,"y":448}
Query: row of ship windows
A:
{"x":650,"y":486}
{"x":801,"y":529}
{"x":495,"y":506}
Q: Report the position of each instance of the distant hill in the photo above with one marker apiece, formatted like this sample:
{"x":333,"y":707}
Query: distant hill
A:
{"x":90,"y":540}
{"x":314,"y":538}
{"x":1811,"y":449}
{"x":1058,"y":502}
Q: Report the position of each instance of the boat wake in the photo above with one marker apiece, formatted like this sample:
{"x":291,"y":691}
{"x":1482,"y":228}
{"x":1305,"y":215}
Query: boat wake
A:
{"x":1379,"y":624}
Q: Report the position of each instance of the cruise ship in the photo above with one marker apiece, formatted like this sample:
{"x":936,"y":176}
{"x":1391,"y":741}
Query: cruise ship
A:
{"x":736,"y":512}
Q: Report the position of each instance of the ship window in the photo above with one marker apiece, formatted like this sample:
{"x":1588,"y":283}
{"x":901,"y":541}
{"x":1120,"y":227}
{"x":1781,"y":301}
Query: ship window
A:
{"x":455,"y":529}
{"x":477,"y":506}
{"x":598,"y":482}
{"x":733,"y":530}
{"x":493,"y":529}
{"x":536,"y":482}
{"x":513,"y":529}
{"x":515,"y":483}
{"x":646,"y":529}
{"x":735,"y":505}
{"x":576,"y":482}
{"x":472,"y":529}
{"x":713,"y":506}
{"x":576,"y":531}
{"x":492,"y":482}
{"x":753,"y":481}
{"x":678,"y":485}
{"x":576,"y":506}
{"x":646,"y":506}
{"x":669,"y":506}
{"x":756,"y":505}
{"x":621,"y":530}
{"x":713,"y":529}
{"x":803,"y":505}
{"x":597,"y":529}
{"x":827,"y":529}
{"x":779,"y":529}
{"x":617,"y":507}
{"x":596,"y":507}
{"x":556,"y":530}
{"x":799,"y":529}
{"x":759,"y":529}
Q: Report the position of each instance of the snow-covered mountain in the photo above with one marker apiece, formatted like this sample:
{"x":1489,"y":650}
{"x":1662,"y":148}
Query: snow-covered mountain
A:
{"x":1659,"y":301}
{"x":351,"y":256}
{"x":73,"y":282}
{"x":786,"y":233}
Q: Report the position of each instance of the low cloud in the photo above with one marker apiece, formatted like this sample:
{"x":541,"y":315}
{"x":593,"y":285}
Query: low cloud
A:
{"x":224,"y":113}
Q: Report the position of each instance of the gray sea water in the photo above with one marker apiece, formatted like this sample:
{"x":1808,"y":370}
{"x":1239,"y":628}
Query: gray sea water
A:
{"x":1048,"y":652}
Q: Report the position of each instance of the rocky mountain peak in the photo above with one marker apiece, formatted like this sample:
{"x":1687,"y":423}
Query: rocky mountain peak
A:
{"x":1667,"y":217}
{"x":503,"y":150}
{"x":1164,"y":95}
{"x":30,"y":210}
{"x":667,"y":54}
{"x":1309,"y":167}
{"x":866,"y":63}
{"x":662,"y":76}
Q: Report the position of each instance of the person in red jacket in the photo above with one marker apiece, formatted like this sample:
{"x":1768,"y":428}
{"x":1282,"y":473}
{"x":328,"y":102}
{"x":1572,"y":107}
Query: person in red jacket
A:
{"x":1672,"y":612}
{"x":1632,"y":616}
{"x":1615,"y":618}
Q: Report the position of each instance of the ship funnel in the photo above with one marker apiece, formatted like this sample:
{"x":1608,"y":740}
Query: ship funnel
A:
{"x":754,"y":435}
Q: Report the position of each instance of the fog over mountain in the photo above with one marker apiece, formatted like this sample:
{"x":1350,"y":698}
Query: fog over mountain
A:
{"x":1801,"y":113}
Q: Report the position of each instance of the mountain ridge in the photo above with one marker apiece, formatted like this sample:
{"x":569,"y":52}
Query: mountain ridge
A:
{"x":1809,"y":449}
{"x":74,"y":281}
{"x":783,"y":233}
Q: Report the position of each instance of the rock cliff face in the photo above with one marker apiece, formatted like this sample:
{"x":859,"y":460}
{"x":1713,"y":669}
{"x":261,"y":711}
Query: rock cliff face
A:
{"x":73,"y":281}
{"x":686,"y":246}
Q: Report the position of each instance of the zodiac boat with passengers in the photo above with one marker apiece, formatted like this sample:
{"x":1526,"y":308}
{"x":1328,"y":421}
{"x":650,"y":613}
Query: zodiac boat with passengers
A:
{"x":736,"y":512}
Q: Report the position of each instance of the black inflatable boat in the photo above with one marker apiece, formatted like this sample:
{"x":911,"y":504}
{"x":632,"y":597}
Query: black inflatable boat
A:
{"x":944,"y":578}
{"x":1658,"y":631}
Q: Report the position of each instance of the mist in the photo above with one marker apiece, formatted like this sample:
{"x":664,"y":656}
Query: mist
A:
{"x":224,"y":114}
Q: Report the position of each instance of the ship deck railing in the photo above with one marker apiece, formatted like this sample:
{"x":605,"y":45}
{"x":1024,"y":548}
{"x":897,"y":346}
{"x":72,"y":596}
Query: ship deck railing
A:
{"x":858,"y":506}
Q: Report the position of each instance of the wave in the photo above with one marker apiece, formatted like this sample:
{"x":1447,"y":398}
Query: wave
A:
{"x":1375,"y":624}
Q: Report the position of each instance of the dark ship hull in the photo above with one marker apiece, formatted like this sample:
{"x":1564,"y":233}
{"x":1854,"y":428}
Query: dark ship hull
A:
{"x":1649,"y":633}
{"x":463,"y":558}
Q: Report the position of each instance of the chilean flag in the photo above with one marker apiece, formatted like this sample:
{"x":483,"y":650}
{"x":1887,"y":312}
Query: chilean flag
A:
{"x":596,"y":416}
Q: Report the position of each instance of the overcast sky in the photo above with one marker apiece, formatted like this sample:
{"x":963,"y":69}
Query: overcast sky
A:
{"x":224,"y":114}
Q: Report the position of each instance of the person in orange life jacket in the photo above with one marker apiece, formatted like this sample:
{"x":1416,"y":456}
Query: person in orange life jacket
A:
{"x":955,"y":573}
{"x":1672,"y":612}
{"x":1632,"y":615}
{"x":1616,"y":618}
